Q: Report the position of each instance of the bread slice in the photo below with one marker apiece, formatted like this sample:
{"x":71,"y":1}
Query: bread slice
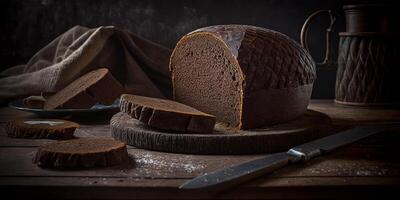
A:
{"x":247,"y":76}
{"x":97,"y":86}
{"x":41,"y":128}
{"x":82,"y":153}
{"x":167,"y":115}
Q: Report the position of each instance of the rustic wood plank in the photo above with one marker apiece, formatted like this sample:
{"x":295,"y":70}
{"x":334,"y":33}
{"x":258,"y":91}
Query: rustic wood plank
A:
{"x":264,"y":182}
{"x":131,"y":188}
{"x":92,"y":181}
{"x":370,"y":168}
{"x":146,"y":164}
{"x":8,"y":114}
{"x":313,"y":192}
{"x":350,"y":115}
{"x":149,"y":164}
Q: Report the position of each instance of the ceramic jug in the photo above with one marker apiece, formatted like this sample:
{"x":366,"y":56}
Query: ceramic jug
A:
{"x":368,"y":55}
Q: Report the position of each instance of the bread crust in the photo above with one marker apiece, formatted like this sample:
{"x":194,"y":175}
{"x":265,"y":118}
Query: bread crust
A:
{"x":171,"y":115}
{"x":41,"y":129}
{"x":99,"y":152}
{"x":272,"y":65}
{"x":265,"y":53}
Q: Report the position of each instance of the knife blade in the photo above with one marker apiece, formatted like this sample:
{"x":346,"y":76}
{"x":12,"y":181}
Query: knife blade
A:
{"x":234,"y":175}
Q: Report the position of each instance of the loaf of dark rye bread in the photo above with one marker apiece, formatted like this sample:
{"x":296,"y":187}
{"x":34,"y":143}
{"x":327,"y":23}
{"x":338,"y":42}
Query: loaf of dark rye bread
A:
{"x":81,"y":153}
{"x":41,"y":128}
{"x":246,"y":76}
{"x":167,"y":115}
{"x":97,"y":86}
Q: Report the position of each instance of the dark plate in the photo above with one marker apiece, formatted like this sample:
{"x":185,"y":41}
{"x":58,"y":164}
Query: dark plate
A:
{"x":96,"y":109}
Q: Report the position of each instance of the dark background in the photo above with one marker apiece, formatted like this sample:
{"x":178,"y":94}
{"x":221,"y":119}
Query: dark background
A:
{"x":28,"y":25}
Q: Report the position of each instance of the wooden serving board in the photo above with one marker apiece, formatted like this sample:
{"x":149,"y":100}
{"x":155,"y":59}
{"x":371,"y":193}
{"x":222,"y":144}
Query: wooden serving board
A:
{"x":223,"y":140}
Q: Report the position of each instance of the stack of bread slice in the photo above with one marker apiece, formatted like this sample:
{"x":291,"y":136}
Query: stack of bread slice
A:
{"x":97,"y":86}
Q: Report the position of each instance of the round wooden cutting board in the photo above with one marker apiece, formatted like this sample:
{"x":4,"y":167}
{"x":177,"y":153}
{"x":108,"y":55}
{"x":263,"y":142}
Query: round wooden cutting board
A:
{"x":223,"y":140}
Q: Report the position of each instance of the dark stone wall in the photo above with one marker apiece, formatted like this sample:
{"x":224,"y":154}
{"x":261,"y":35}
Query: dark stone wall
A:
{"x":28,"y":25}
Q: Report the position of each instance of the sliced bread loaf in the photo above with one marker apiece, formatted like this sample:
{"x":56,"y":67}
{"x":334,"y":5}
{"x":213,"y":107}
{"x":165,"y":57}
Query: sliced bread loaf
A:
{"x":246,"y":76}
{"x":97,"y":86}
{"x":167,"y":115}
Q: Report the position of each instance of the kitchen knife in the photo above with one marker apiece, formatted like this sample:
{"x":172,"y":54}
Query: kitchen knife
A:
{"x":234,"y":175}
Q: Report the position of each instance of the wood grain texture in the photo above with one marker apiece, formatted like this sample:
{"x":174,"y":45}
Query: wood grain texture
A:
{"x":366,"y":169}
{"x":343,"y":115}
{"x":131,"y":188}
{"x":352,"y":161}
{"x":224,"y":140}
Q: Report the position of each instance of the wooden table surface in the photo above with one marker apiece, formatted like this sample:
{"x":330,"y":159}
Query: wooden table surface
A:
{"x":369,"y":168}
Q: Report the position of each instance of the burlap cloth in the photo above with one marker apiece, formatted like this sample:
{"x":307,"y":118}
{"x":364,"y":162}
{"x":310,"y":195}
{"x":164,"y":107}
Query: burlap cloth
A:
{"x":140,"y":65}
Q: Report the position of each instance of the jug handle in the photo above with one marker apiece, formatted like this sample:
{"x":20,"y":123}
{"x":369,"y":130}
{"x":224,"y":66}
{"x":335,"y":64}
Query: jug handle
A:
{"x":328,"y":61}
